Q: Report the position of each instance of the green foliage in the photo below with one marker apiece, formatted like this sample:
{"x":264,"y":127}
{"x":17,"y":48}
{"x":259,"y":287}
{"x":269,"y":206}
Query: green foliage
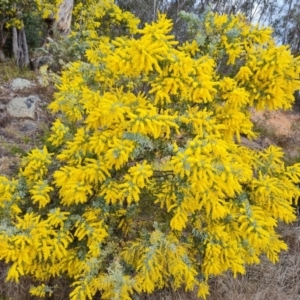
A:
{"x":17,"y":150}
{"x":35,"y":29}
{"x":28,"y":13}
{"x":11,"y":11}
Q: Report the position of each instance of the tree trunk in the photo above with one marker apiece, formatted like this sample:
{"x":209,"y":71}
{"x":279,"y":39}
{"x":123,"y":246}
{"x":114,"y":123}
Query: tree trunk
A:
{"x":63,"y":23}
{"x":3,"y":37}
{"x":15,"y":44}
{"x":285,"y":33}
{"x":20,"y":49}
{"x":2,"y":56}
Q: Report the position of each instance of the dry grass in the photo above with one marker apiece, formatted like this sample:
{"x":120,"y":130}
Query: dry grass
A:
{"x":266,"y":281}
{"x":261,"y":282}
{"x":11,"y":290}
{"x":9,"y":71}
{"x":17,"y":136}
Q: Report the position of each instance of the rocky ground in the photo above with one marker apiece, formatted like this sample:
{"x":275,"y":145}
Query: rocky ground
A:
{"x":280,"y":128}
{"x":24,"y":120}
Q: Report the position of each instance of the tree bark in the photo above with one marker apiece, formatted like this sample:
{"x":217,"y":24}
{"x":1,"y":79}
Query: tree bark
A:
{"x":20,"y":48}
{"x":15,"y":44}
{"x":2,"y":56}
{"x":63,"y":23}
{"x":3,"y":37}
{"x":284,"y":40}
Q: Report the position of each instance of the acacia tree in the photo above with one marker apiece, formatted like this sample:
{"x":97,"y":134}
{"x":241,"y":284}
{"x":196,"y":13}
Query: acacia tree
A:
{"x":143,"y":183}
{"x":283,"y":16}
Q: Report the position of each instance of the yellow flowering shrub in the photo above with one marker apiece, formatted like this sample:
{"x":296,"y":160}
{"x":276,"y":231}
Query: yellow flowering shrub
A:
{"x":143,"y":183}
{"x":48,"y":8}
{"x":91,"y":21}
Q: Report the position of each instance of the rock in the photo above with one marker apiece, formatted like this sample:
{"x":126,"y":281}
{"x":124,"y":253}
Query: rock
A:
{"x":3,"y":89}
{"x":23,"y":107}
{"x":250,"y":144}
{"x":2,"y":107}
{"x":4,"y":118}
{"x":20,"y":84}
{"x":38,"y":62}
{"x":28,"y":126}
{"x":4,"y":100}
{"x":8,"y":165}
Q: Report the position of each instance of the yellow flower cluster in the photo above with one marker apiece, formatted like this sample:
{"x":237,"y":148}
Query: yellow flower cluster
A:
{"x":91,"y":15}
{"x":147,"y":186}
{"x":48,"y":9}
{"x":35,"y":164}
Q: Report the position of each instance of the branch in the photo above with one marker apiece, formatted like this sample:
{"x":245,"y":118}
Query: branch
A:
{"x":158,"y":174}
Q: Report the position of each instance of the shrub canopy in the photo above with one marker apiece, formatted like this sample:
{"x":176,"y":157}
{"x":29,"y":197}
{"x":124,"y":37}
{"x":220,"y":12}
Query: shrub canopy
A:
{"x":143,"y":183}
